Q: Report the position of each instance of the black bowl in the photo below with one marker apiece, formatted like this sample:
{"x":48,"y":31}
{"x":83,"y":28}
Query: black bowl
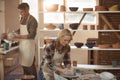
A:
{"x":90,"y":45}
{"x":78,"y":44}
{"x":73,"y":8}
{"x":74,"y":26}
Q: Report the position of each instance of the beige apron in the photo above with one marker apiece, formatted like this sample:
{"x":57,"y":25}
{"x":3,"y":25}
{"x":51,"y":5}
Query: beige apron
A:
{"x":57,"y":60}
{"x":27,"y":48}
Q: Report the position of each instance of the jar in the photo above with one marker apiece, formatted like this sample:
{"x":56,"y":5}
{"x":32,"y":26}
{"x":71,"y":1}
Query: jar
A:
{"x":6,"y":46}
{"x":74,"y":62}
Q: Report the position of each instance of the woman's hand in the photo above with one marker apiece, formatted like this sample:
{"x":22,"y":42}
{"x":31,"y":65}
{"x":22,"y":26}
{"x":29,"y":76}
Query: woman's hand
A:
{"x":64,"y":71}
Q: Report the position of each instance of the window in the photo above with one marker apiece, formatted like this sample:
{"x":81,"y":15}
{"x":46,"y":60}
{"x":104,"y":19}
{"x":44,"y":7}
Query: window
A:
{"x":60,"y":17}
{"x":90,"y":18}
{"x":33,"y":7}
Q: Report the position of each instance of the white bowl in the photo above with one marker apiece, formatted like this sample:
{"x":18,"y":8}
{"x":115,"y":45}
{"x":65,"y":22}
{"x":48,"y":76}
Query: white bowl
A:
{"x":107,"y":76}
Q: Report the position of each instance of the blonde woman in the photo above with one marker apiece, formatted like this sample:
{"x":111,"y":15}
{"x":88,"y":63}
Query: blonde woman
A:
{"x":56,"y":53}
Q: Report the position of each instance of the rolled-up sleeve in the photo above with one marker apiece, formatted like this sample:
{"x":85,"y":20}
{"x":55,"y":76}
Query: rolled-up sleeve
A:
{"x":49,"y":52}
{"x":32,"y":29}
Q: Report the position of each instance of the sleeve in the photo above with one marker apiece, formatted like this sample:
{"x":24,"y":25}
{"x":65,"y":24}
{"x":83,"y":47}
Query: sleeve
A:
{"x":32,"y":29}
{"x":66,"y":59}
{"x":49,"y":52}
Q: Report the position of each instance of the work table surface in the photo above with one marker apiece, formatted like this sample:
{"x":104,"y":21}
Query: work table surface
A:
{"x":97,"y":67}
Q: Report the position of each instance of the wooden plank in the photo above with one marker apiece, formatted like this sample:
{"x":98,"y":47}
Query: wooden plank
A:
{"x":110,"y":25}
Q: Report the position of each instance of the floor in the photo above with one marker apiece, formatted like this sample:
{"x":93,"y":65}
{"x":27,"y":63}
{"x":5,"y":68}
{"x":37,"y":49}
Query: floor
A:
{"x":14,"y":75}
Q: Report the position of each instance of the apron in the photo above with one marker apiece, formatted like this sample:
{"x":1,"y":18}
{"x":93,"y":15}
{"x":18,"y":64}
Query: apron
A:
{"x":57,"y":60}
{"x":27,"y":48}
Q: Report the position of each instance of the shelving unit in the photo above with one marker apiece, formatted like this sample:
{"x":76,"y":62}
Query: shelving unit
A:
{"x":91,"y":51}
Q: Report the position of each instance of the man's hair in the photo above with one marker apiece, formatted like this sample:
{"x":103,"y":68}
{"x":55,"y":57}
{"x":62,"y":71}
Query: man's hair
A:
{"x":23,"y":6}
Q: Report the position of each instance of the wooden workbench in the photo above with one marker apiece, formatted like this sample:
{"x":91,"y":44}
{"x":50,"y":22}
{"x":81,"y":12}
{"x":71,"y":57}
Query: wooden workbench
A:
{"x":4,"y":54}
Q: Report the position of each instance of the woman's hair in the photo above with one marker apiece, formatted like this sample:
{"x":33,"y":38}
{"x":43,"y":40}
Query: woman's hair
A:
{"x":23,"y":6}
{"x":65,"y":32}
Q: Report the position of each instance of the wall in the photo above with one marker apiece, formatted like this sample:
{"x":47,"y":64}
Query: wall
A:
{"x":11,"y":15}
{"x":2,"y":16}
{"x":82,"y":55}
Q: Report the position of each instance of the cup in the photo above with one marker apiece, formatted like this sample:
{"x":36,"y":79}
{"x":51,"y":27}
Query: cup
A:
{"x":114,"y":63}
{"x":6,"y":46}
{"x":85,"y":27}
{"x":92,"y":27}
{"x":74,"y":63}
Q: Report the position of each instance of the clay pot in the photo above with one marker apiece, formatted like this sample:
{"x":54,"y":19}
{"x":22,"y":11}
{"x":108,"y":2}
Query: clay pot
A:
{"x":92,"y":27}
{"x":116,"y":45}
{"x":62,"y":8}
{"x":105,"y":27}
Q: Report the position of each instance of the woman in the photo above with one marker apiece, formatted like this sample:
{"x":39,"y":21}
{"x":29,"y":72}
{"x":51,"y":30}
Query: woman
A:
{"x":56,"y":53}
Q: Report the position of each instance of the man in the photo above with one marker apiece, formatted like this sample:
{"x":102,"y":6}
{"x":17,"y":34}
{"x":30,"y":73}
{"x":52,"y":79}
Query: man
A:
{"x":27,"y":33}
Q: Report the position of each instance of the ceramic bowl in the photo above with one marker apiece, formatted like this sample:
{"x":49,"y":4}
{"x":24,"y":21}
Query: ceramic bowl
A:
{"x":73,"y":8}
{"x":107,"y":76}
{"x":90,"y":45}
{"x":87,"y":9}
{"x":78,"y":44}
{"x":52,"y":7}
{"x":74,"y":26}
{"x":114,"y":8}
{"x":50,"y":26}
